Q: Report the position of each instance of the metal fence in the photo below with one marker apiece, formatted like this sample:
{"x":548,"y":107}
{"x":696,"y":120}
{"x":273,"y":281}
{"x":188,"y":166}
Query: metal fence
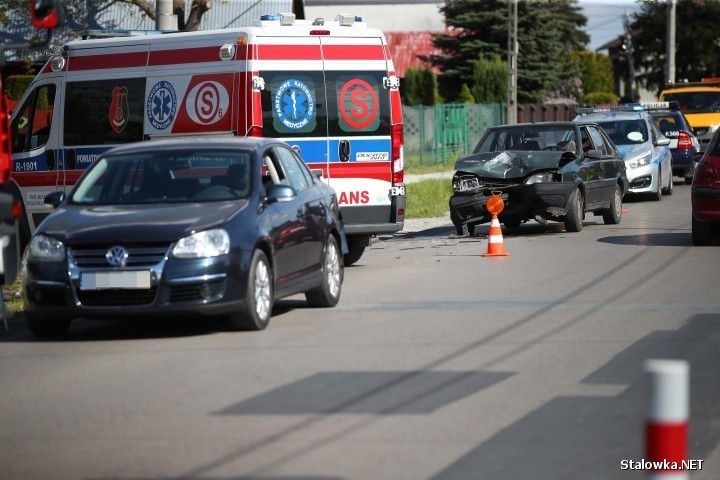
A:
{"x":438,"y":134}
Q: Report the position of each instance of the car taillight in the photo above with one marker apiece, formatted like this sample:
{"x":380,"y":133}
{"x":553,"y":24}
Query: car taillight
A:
{"x":684,"y":141}
{"x":396,"y":143}
{"x":706,"y":171}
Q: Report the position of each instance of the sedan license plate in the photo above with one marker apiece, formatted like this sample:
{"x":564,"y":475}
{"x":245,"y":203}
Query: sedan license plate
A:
{"x":108,"y":280}
{"x":397,"y":191}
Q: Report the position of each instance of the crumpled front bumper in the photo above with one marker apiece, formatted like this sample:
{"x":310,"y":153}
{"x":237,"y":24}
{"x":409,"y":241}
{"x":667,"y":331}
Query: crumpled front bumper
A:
{"x":522,"y":202}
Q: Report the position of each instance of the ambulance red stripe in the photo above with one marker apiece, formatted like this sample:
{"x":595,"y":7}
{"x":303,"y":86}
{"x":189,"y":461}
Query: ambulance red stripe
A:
{"x":329,"y":52}
{"x":185,"y":55}
{"x":354,"y":52}
{"x":36,"y":179}
{"x":102,"y":62}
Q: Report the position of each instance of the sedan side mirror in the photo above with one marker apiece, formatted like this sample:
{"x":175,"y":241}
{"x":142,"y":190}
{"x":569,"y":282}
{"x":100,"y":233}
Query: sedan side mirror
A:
{"x":280,"y":193}
{"x":595,"y":154}
{"x":52,"y":200}
{"x":698,"y":156}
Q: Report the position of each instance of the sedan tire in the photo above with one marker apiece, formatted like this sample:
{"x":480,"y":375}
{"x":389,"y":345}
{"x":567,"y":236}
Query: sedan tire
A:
{"x":575,"y":212}
{"x":327,"y":294}
{"x":613,"y":215}
{"x":257,"y":309}
{"x":701,"y":233}
{"x":47,"y":326}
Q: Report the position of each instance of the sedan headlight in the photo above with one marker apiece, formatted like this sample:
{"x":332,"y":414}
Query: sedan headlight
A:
{"x":209,"y":243}
{"x":539,"y":178}
{"x":46,"y":249}
{"x":463,"y":184}
{"x":639,"y":161}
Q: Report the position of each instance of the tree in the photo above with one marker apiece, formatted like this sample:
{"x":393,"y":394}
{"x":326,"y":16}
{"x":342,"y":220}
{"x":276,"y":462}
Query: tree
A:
{"x":411,"y":87}
{"x":547,"y":33}
{"x":490,"y":79}
{"x":596,"y":73}
{"x":465,"y":95}
{"x":696,"y":36}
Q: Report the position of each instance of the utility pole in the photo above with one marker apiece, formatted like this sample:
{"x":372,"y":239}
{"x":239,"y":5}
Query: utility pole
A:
{"x":670,"y":73}
{"x":629,"y":52}
{"x":164,"y":18}
{"x":512,"y":54}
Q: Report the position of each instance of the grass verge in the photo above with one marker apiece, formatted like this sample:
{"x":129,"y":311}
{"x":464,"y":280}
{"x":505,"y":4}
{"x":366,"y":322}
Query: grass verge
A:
{"x":428,"y":198}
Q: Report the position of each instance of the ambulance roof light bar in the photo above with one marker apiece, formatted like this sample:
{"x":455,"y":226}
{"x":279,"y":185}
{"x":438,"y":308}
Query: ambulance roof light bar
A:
{"x":348,"y":20}
{"x":283,"y":18}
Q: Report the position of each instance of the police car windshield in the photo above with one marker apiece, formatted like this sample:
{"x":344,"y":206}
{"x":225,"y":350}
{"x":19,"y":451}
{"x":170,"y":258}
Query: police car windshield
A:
{"x":626,"y":132}
{"x":164,"y":177}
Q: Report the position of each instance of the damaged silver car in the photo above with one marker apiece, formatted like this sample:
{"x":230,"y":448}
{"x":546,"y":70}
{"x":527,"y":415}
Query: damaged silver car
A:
{"x":543,"y":171}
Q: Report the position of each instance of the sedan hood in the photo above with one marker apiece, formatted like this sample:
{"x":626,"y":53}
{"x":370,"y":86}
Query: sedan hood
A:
{"x":510,"y":164}
{"x":628,"y":152}
{"x":79,"y":224}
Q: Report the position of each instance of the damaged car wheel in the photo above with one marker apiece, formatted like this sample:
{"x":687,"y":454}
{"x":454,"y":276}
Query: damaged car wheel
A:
{"x":575,"y":213}
{"x":612,"y":215}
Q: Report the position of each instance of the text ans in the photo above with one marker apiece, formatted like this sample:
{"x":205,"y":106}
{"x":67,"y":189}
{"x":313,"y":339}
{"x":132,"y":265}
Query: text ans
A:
{"x":354,"y":198}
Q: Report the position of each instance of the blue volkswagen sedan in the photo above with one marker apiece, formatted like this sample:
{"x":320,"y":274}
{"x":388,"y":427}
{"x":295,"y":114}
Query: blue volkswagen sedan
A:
{"x":185,"y":227}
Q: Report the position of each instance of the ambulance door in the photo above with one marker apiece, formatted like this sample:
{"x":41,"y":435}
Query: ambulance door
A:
{"x":359,"y":127}
{"x":37,"y":154}
{"x":294,"y":105}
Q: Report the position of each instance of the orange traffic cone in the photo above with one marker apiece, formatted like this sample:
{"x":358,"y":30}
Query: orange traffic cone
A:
{"x":496,"y":247}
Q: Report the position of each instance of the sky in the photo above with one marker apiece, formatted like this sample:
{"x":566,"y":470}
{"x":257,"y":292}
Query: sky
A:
{"x":606,"y":19}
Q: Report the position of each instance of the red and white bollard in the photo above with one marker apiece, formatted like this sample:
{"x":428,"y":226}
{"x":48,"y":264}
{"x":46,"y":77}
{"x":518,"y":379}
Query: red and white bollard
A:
{"x":666,"y":428}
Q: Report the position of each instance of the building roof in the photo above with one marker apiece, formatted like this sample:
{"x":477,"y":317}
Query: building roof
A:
{"x":405,"y":47}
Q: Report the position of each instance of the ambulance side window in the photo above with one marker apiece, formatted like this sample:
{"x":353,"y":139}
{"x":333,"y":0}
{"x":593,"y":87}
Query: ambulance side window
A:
{"x":102,"y":112}
{"x":357,"y":104}
{"x":31,"y":128}
{"x":293,"y":104}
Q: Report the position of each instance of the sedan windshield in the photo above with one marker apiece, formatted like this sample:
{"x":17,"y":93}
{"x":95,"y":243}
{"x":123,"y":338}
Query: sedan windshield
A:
{"x":527,"y":138}
{"x":165,"y":177}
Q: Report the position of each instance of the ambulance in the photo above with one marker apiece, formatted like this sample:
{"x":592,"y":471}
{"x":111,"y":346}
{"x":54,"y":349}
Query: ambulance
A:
{"x":328,"y":88}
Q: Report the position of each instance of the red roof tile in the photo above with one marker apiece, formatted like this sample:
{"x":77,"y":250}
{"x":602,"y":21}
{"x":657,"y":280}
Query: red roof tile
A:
{"x":405,"y":48}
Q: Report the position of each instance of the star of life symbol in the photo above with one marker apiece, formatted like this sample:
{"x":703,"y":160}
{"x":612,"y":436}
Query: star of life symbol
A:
{"x":294,"y":104}
{"x":162,"y":105}
{"x":117,"y":256}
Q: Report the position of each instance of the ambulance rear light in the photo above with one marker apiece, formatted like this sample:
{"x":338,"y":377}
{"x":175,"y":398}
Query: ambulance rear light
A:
{"x":396,"y":143}
{"x":319,"y":32}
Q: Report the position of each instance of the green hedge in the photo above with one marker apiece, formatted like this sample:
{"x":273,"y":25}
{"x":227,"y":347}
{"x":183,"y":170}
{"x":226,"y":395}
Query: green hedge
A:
{"x":16,"y":85}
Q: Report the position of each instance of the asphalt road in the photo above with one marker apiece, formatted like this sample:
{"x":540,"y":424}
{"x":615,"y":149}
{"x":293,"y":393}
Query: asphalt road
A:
{"x":437,"y":364}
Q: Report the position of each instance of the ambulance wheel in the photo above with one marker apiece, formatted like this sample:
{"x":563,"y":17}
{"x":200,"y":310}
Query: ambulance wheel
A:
{"x":356,"y":248}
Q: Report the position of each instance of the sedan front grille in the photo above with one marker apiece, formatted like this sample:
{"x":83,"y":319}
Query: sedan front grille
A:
{"x":141,"y":255}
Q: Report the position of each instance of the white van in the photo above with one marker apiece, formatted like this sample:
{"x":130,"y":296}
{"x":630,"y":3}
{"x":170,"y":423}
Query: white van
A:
{"x":328,"y":88}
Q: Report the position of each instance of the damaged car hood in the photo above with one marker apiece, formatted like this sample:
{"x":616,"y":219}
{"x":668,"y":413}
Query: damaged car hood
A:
{"x":510,"y":164}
